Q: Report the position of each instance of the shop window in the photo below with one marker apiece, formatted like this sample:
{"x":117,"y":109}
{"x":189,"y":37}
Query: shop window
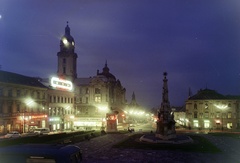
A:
{"x":229,"y":125}
{"x":195,"y":124}
{"x":206,"y":124}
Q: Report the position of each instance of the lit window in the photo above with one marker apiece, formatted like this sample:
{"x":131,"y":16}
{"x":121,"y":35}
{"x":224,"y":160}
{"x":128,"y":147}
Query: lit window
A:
{"x":97,"y":99}
{"x":206,"y":115}
{"x":229,"y":115}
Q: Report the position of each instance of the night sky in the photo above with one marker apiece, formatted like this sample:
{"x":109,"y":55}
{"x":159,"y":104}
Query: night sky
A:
{"x":196,"y":41}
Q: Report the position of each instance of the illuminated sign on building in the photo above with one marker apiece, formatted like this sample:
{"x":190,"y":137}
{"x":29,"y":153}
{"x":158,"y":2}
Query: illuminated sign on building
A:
{"x":38,"y":116}
{"x":54,"y":119}
{"x":60,"y":83}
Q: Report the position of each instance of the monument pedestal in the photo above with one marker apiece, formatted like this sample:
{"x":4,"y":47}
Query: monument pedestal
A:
{"x":165,"y":131}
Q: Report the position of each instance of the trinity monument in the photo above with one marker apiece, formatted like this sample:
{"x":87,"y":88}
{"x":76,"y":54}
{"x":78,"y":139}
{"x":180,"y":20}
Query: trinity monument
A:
{"x":165,"y":123}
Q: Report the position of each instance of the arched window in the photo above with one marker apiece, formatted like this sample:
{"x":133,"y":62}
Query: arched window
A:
{"x":195,"y":106}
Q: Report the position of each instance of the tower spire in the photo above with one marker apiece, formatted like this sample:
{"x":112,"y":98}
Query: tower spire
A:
{"x":67,"y":30}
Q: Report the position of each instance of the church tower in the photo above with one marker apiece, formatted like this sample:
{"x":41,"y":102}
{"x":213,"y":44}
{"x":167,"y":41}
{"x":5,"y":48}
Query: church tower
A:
{"x":67,"y":58}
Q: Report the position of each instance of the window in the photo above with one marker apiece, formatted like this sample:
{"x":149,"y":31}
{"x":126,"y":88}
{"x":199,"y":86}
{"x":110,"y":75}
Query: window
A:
{"x":64,"y":60}
{"x":1,"y":107}
{"x":9,"y":108}
{"x":195,"y":106}
{"x":97,"y":99}
{"x":38,"y":95}
{"x":206,"y":124}
{"x":229,"y":125}
{"x":206,"y":114}
{"x":18,"y":93}
{"x":97,"y":91}
{"x":9,"y":93}
{"x":87,"y":100}
{"x":217,"y":115}
{"x":195,"y":124}
{"x":18,"y":107}
{"x":64,"y":70}
{"x":229,"y":115}
{"x":195,"y":115}
{"x":32,"y":94}
{"x":224,"y":115}
{"x":87,"y":91}
{"x":206,"y":106}
{"x":1,"y":91}
{"x":212,"y":115}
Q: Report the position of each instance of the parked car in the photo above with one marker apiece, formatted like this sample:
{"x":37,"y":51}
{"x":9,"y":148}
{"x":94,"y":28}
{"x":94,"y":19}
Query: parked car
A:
{"x":13,"y":134}
{"x":41,"y":131}
{"x":41,"y":153}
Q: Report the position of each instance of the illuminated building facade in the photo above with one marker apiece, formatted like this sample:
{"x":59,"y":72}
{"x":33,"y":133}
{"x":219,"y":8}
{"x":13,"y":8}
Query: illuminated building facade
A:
{"x":23,"y":103}
{"x":210,"y":110}
{"x":61,"y":104}
{"x":94,"y":96}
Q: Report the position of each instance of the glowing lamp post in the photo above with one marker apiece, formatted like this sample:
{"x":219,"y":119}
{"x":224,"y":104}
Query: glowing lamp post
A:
{"x":221,"y":107}
{"x":103,"y":109}
{"x":29,"y":103}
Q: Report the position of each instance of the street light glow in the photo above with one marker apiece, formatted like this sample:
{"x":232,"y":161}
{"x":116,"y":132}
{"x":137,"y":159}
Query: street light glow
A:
{"x":221,"y":106}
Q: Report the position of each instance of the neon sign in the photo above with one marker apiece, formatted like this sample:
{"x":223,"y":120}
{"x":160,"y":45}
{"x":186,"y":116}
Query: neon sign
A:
{"x":38,"y":116}
{"x":60,"y":83}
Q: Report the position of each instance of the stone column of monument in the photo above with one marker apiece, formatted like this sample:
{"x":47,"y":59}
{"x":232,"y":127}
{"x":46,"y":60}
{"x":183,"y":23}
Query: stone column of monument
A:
{"x":165,"y":123}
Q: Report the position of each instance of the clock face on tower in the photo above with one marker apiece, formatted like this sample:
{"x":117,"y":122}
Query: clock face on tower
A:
{"x":67,"y":43}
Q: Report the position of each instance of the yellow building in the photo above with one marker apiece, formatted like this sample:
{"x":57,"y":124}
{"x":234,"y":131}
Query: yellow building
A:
{"x":23,"y":103}
{"x":210,"y":110}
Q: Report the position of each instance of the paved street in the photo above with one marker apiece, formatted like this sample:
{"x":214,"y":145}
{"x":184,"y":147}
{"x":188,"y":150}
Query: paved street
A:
{"x":100,"y":150}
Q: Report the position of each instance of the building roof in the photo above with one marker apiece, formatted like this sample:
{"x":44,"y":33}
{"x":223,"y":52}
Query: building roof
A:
{"x":207,"y":94}
{"x":13,"y":78}
{"x":82,"y":81}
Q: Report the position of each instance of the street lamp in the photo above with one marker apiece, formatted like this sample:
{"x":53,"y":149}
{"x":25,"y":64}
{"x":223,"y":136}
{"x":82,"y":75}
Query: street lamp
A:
{"x":221,"y":107}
